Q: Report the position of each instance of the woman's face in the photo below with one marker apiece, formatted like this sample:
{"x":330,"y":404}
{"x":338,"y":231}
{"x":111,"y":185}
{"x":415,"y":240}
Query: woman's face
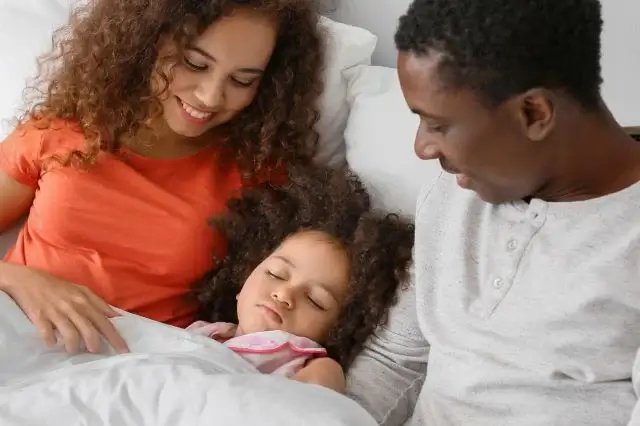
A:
{"x":220,"y":73}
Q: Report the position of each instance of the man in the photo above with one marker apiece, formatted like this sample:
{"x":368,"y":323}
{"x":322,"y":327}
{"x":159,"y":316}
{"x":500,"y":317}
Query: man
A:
{"x":527,"y":251}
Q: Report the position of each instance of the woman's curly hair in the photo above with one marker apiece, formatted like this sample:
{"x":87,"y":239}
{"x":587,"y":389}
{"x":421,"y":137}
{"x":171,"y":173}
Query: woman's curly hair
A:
{"x":99,"y":75}
{"x":379,"y":248}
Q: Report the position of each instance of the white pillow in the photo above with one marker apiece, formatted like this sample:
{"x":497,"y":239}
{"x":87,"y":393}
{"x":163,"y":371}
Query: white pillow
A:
{"x":25,"y":32}
{"x":379,"y":140}
{"x":347,"y":46}
{"x":26,"y":28}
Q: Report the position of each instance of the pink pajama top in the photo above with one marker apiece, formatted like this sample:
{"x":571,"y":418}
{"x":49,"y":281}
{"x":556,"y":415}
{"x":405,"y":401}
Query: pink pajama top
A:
{"x":270,"y":352}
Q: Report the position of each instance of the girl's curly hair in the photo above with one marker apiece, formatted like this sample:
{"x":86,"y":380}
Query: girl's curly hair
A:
{"x":321,"y":199}
{"x":99,"y":75}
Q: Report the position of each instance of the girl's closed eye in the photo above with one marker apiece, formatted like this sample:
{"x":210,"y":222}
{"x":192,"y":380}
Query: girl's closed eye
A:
{"x":315,"y":303}
{"x":274,"y":275}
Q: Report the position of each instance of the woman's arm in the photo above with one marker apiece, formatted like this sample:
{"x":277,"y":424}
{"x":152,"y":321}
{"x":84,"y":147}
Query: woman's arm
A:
{"x":324,"y":372}
{"x":15,"y":201}
{"x":50,"y":303}
{"x":55,"y":305}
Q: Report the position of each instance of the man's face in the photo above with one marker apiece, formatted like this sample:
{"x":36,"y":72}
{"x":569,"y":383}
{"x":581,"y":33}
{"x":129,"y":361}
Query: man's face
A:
{"x":488,"y":148}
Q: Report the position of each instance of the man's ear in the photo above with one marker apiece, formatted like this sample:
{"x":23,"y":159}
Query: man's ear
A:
{"x":536,"y":110}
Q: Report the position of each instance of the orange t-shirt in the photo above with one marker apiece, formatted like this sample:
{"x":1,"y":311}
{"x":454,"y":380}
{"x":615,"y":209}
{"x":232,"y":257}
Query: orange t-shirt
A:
{"x":134,"y":230}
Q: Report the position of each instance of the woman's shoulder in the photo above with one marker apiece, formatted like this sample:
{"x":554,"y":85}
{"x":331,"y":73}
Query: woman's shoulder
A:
{"x":48,"y":135}
{"x":24,"y":152}
{"x":51,"y":127}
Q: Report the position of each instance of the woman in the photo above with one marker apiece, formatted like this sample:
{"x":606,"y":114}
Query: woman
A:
{"x":153,"y":115}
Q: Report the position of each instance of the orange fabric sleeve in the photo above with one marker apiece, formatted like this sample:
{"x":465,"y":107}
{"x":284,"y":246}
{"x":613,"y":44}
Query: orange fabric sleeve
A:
{"x":24,"y":152}
{"x":21,"y":154}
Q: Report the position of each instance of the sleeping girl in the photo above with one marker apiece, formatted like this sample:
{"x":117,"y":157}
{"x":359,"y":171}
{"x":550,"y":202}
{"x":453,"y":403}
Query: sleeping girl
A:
{"x":310,"y":272}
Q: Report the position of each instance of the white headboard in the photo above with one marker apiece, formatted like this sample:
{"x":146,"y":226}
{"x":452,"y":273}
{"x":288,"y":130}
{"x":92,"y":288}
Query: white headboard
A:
{"x":621,"y":45}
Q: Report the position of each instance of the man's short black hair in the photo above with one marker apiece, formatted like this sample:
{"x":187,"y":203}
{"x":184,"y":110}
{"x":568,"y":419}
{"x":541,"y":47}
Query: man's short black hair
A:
{"x":504,"y":47}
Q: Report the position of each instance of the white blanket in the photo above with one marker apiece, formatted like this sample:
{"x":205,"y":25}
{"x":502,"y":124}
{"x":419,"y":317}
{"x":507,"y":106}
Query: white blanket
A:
{"x":170,"y":378}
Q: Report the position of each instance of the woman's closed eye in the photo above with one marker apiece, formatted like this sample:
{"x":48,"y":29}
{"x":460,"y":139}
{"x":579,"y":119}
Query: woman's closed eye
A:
{"x":242,"y":83}
{"x":199,"y":68}
{"x":194,"y":66}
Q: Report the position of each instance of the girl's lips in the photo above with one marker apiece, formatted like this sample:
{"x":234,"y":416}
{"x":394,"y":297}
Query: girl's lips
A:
{"x":271,"y":312}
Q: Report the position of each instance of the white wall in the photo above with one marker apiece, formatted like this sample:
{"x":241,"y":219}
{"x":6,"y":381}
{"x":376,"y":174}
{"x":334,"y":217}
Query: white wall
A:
{"x":378,"y":16}
{"x":621,"y":46}
{"x":621,"y":59}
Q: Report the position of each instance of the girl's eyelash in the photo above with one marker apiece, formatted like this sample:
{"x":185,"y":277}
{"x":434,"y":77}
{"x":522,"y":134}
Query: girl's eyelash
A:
{"x":274,"y":276}
{"x":316,"y":304}
{"x":309,"y":298}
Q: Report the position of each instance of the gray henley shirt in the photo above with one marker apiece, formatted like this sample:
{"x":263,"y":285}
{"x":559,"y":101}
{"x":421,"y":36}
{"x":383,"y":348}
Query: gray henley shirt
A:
{"x":531,"y":313}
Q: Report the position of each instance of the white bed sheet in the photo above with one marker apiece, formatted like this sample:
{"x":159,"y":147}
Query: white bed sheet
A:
{"x":170,"y":378}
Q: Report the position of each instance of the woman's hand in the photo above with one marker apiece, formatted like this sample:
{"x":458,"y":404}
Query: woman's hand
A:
{"x":324,"y":372}
{"x":53,"y":304}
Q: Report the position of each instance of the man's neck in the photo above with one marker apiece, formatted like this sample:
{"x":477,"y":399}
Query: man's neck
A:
{"x":593,"y":158}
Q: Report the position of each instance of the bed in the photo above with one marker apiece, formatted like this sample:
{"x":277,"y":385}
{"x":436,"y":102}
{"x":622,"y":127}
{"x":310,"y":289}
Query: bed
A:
{"x":171,"y":377}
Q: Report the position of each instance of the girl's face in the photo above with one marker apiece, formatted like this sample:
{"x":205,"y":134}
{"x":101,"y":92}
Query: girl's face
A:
{"x":220,"y":73}
{"x":300,"y":288}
